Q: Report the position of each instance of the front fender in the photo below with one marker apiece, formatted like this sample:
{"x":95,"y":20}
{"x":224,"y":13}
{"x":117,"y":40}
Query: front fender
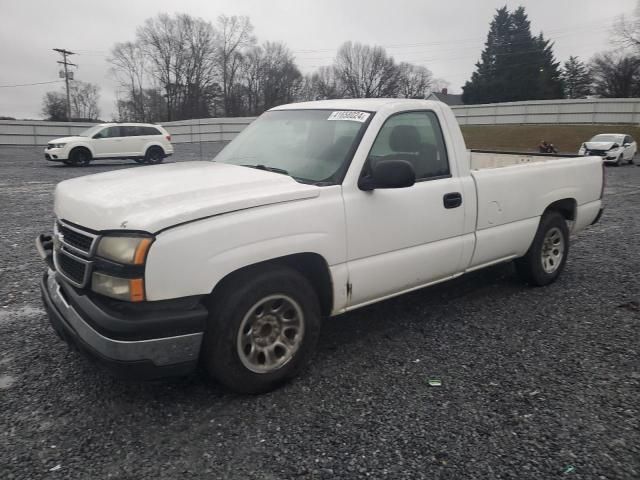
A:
{"x":191,"y":259}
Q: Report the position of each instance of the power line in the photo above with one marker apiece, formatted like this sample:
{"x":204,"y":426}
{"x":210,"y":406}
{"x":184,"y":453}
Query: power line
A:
{"x":29,"y":84}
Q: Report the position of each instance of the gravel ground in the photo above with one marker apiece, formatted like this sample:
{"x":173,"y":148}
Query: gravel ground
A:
{"x":537,"y":383}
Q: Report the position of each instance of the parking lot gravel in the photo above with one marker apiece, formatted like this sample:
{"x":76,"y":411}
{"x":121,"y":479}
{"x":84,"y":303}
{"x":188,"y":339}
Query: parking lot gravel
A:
{"x":536,"y":383}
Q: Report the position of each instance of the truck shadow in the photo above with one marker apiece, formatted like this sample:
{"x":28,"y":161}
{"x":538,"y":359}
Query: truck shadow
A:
{"x":419,"y":311}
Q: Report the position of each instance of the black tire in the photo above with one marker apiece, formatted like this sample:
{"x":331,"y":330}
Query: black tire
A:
{"x":231,"y":307}
{"x":532,"y":268}
{"x":79,"y":157}
{"x":154,"y":155}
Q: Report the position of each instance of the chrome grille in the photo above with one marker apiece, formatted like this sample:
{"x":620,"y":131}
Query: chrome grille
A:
{"x":76,"y":239}
{"x":75,"y":270}
{"x":72,"y":250}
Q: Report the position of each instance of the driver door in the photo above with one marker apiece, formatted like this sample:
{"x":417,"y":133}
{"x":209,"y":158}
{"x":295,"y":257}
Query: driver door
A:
{"x":403,"y":238}
{"x":107,"y":142}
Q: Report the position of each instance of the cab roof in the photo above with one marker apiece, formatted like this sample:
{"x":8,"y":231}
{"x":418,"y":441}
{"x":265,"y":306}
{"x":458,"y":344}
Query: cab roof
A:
{"x":365,"y":104}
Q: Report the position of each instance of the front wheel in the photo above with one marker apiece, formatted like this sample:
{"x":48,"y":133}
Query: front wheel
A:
{"x":547,"y":255}
{"x":619,"y":161}
{"x":263,"y":328}
{"x":79,"y":157}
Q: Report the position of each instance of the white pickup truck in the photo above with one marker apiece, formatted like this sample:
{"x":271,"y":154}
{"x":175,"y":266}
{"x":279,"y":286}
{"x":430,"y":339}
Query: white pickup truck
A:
{"x":315,"y":209}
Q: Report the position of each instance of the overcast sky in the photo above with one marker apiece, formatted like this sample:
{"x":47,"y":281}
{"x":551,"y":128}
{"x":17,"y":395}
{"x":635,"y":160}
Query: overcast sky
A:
{"x":446,"y":36}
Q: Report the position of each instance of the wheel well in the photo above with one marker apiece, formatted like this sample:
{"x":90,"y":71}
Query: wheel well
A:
{"x":567,"y":207}
{"x":80,"y":147}
{"x":150,"y":147}
{"x":311,"y":265}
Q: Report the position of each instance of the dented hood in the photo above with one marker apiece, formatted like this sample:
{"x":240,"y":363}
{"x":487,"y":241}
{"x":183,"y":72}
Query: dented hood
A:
{"x":600,"y":145}
{"x":153,"y":198}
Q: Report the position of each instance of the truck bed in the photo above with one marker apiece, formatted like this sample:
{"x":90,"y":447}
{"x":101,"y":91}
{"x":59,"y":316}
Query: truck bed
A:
{"x":483,"y":159}
{"x":513,"y":190}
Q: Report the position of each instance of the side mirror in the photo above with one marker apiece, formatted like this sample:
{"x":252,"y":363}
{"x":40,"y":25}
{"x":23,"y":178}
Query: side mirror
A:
{"x":389,"y":174}
{"x":626,"y":145}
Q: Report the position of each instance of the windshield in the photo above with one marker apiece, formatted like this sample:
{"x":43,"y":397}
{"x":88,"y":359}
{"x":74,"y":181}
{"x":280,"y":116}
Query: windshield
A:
{"x":607,"y":138}
{"x":313,"y":146}
{"x":90,"y":132}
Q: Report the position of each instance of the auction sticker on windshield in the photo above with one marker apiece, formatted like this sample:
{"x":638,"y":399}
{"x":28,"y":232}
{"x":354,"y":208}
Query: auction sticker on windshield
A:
{"x":351,"y":115}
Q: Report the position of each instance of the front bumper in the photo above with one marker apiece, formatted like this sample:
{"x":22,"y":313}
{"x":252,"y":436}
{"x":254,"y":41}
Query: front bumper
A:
{"x":130,"y":342}
{"x":55,"y":154}
{"x":597,"y":219}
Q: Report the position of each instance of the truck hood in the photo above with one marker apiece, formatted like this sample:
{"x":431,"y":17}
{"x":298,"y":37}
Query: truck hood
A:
{"x":152,"y":198}
{"x":599,"y":145}
{"x":68,"y":139}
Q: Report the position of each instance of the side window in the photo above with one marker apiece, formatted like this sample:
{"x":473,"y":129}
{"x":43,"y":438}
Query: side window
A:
{"x":102,"y":133}
{"x":417,"y":138}
{"x":130,"y":131}
{"x":150,"y":131}
{"x":109,"y":132}
{"x":627,"y":139}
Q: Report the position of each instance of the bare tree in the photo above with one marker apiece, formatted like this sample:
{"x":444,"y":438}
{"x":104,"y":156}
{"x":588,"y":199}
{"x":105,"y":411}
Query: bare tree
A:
{"x":281,"y":78}
{"x":323,"y":85}
{"x":54,"y":106}
{"x":366,"y":71}
{"x":251,"y":71}
{"x":626,"y":30}
{"x":181,"y":52}
{"x":616,"y":75}
{"x":84,"y":100}
{"x":236,"y":35}
{"x":129,"y":67}
{"x":413,"y":81}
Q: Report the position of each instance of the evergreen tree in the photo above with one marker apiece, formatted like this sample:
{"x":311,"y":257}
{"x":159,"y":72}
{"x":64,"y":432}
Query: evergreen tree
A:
{"x":485,"y":84}
{"x":514,"y":64}
{"x":576,"y":79}
{"x":549,"y":78}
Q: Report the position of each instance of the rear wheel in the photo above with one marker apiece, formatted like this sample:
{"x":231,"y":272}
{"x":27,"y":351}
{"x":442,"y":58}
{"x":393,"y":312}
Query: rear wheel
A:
{"x":263,"y":328}
{"x":545,"y":259}
{"x":154,"y":155}
{"x":79,"y":157}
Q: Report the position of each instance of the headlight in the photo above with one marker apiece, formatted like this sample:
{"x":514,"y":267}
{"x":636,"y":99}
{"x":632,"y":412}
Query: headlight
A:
{"x":129,"y":289}
{"x":126,"y":250}
{"x":58,"y":145}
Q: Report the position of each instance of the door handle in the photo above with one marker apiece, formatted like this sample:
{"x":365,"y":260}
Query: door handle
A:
{"x":452,"y":200}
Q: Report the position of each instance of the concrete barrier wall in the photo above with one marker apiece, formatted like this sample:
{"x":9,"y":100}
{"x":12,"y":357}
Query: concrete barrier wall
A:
{"x":33,"y":132}
{"x":601,"y":110}
{"x":592,"y":111}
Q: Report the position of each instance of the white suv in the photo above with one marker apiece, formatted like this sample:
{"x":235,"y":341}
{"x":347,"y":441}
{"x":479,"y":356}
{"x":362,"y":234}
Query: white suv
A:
{"x":142,"y":142}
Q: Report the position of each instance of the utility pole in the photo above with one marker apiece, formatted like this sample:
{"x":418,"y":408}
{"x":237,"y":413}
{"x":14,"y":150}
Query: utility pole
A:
{"x":64,"y":62}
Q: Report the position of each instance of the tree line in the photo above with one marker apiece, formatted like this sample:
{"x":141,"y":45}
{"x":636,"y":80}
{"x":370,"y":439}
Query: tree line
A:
{"x":182,"y":67}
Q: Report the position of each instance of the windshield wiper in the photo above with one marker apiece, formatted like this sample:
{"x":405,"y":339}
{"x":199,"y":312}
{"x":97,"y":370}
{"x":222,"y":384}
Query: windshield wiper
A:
{"x":268,"y":169}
